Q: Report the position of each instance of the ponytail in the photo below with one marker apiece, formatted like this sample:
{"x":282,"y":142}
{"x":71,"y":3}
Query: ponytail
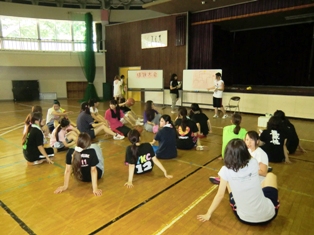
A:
{"x":183,"y":113}
{"x":236,"y":120}
{"x":34,"y":116}
{"x":76,"y":165}
{"x":83,"y":142}
{"x":134,"y":137}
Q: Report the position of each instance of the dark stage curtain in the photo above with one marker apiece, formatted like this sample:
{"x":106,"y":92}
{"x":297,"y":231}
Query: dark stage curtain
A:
{"x":200,"y":47}
{"x":278,"y":56}
{"x":248,"y":8}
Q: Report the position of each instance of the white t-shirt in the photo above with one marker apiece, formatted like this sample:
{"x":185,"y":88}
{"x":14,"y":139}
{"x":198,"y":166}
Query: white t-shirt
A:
{"x":50,"y":116}
{"x":260,"y":155}
{"x":252,"y":205}
{"x":218,"y":85}
{"x":93,"y":110}
{"x":116,"y":88}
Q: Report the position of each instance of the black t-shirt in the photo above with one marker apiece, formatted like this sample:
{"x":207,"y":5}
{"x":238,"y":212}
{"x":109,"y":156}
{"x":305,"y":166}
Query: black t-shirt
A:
{"x":174,"y":83}
{"x":185,"y":138}
{"x":274,"y":141}
{"x":145,"y":155}
{"x":34,"y":139}
{"x":292,"y":137}
{"x":88,"y":159}
{"x":201,"y":118}
{"x":167,"y":143}
{"x":125,"y":109}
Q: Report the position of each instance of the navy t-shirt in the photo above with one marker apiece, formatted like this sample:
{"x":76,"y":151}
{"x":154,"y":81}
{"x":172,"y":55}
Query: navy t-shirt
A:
{"x":167,"y":143}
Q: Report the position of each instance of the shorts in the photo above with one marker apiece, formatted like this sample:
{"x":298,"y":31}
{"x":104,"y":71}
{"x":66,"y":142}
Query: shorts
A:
{"x":91,"y":133}
{"x":270,"y":193}
{"x":51,"y":126}
{"x":124,"y":130}
{"x":32,"y":158}
{"x":217,"y":102}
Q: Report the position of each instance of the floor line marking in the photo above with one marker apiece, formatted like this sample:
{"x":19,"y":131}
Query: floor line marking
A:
{"x":17,"y":219}
{"x":6,"y":132}
{"x":186,"y":210}
{"x":195,"y":164}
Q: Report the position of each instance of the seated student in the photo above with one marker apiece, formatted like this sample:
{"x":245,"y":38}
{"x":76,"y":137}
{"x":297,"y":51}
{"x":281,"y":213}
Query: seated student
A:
{"x":201,"y":120}
{"x":33,"y":143}
{"x":129,"y":115}
{"x":64,"y":136}
{"x":187,"y":132}
{"x":166,"y":137}
{"x":140,"y":158}
{"x":86,"y":162}
{"x":232,"y":131}
{"x":250,"y":202}
{"x":113,"y":116}
{"x":93,"y":108}
{"x":151,"y":116}
{"x":274,"y":141}
{"x":293,"y":141}
{"x":54,"y":114}
{"x":43,"y":125}
{"x":85,"y":123}
{"x":252,"y":141}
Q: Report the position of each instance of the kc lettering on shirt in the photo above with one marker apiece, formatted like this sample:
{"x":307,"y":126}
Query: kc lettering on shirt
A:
{"x":144,"y":158}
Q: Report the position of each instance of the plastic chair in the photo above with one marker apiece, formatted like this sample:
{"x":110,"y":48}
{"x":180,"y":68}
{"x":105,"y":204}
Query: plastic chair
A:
{"x":233,"y":104}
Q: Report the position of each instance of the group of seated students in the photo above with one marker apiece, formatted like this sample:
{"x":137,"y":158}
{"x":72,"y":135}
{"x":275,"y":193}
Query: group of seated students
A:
{"x":240,"y":149}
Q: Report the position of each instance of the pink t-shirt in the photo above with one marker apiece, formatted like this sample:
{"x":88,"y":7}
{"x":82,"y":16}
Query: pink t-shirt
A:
{"x":113,"y":122}
{"x":61,"y":135}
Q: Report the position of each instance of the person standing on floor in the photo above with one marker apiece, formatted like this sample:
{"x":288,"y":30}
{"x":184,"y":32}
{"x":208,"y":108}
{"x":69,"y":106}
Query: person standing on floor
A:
{"x":218,"y":87}
{"x":117,"y":88}
{"x":174,"y":91}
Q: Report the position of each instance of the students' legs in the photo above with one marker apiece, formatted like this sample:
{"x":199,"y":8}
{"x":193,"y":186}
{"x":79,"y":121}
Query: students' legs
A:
{"x":71,"y":138}
{"x":148,"y":127}
{"x":199,"y":128}
{"x":173,"y":101}
{"x":105,"y":129}
{"x":156,"y":119}
{"x":100,"y":128}
{"x":270,"y":181}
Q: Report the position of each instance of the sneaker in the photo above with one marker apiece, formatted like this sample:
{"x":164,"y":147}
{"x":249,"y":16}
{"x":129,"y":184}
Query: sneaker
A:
{"x":139,"y":123}
{"x":215,"y":116}
{"x":225,"y":116}
{"x":201,"y":148}
{"x":140,"y":119}
{"x":270,"y":169}
{"x":173,"y":111}
{"x":214,"y":180}
{"x":118,"y":137}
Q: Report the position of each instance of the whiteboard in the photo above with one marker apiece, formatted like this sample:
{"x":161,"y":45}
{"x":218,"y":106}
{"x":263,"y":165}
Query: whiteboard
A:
{"x":145,"y":79}
{"x":199,"y":79}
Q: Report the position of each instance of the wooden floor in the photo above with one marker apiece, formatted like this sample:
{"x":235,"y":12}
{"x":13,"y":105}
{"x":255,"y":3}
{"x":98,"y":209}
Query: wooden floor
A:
{"x":155,"y":205}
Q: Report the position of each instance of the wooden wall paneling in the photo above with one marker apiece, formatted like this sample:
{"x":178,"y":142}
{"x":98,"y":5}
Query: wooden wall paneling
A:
{"x":123,"y":47}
